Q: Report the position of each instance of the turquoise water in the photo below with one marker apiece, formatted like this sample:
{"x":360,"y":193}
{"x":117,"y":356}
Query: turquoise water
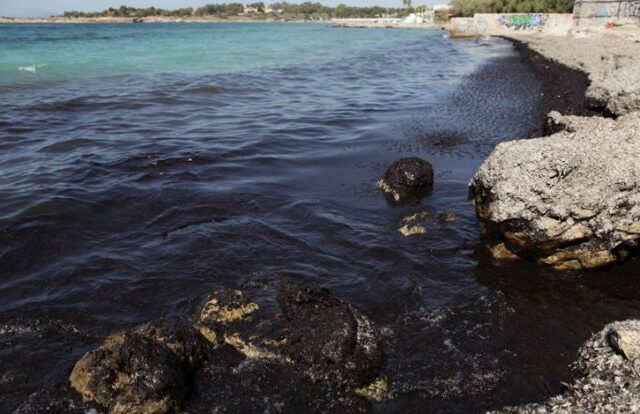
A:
{"x":89,"y":50}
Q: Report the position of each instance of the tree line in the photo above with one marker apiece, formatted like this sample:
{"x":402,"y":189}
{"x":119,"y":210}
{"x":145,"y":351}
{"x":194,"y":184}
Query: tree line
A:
{"x":469,"y":7}
{"x":282,"y":10}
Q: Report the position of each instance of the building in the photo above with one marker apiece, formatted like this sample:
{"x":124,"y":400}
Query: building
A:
{"x":442,"y":8}
{"x":251,"y":9}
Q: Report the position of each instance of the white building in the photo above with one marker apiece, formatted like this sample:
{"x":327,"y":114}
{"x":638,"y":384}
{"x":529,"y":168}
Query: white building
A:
{"x":442,"y":7}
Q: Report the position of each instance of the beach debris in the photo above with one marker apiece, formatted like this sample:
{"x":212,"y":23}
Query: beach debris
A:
{"x":570,"y":200}
{"x":407,"y":180}
{"x":608,"y":382}
{"x":143,"y":370}
{"x":330,"y":341}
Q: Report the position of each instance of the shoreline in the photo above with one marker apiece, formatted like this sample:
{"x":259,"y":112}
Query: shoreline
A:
{"x":599,"y":98}
{"x":138,"y":20}
{"x":571,"y":86}
{"x":212,"y":19}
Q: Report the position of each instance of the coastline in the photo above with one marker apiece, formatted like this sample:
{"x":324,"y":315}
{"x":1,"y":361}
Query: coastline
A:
{"x":595,"y":97}
{"x":213,"y":19}
{"x":150,"y":19}
{"x":569,"y":91}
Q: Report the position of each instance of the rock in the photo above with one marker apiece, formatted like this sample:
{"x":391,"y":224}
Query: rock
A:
{"x":407,"y":179}
{"x":376,"y":391}
{"x":419,"y":223}
{"x":414,"y":224}
{"x":625,"y":340}
{"x":145,"y":370}
{"x":222,"y":314}
{"x":500,"y":251}
{"x":222,"y":309}
{"x":329,"y":341}
{"x":226,"y":307}
{"x":608,"y":382}
{"x":570,"y":200}
{"x":447,"y":217}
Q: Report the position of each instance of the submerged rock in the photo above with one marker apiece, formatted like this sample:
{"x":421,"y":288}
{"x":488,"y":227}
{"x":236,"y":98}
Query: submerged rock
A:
{"x":608,"y":382}
{"x":570,"y":200}
{"x":414,"y":224}
{"x":418,"y":223}
{"x":407,"y":179}
{"x":330,"y":341}
{"x":145,"y":370}
{"x":323,"y":348}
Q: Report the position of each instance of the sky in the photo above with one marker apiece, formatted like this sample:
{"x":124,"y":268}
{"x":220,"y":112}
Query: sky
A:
{"x":39,"y":8}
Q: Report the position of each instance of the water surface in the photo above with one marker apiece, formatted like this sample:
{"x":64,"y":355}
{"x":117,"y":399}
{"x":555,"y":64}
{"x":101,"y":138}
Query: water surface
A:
{"x":145,"y":165}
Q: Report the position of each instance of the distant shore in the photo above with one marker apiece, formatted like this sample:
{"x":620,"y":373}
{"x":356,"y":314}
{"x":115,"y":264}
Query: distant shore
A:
{"x":387,"y":25}
{"x":150,"y":19}
{"x":212,"y":19}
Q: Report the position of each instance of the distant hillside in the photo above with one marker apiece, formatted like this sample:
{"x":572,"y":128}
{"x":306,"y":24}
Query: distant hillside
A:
{"x":257,"y":11}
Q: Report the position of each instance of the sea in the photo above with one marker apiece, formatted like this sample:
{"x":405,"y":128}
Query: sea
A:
{"x":143,"y":166}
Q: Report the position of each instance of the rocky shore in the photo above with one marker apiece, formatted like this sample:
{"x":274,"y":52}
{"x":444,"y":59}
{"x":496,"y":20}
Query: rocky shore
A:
{"x":608,"y":379}
{"x":571,"y":199}
{"x":232,"y":355}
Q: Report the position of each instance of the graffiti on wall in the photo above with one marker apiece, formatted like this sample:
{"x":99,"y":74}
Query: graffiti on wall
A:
{"x":607,"y":9}
{"x":523,"y":21}
{"x":634,"y":9}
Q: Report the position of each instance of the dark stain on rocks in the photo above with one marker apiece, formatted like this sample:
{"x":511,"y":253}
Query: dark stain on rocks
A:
{"x":145,"y":370}
{"x":329,"y":340}
{"x":407,"y":180}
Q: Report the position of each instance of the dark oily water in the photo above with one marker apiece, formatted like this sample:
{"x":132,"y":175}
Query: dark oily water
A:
{"x":129,"y":198}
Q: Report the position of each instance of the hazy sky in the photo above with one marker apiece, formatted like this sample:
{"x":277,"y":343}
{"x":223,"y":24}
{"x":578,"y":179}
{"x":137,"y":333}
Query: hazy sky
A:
{"x":29,"y":8}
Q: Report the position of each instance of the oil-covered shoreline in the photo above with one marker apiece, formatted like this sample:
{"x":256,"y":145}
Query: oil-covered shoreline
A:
{"x":593,"y":148}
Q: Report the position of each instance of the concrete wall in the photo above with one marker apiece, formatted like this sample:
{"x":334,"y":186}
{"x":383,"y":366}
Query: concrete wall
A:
{"x":500,"y":24}
{"x":603,"y":12}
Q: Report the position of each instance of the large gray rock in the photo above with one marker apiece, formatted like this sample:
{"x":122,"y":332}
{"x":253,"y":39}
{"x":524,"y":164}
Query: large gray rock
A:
{"x":571,"y":200}
{"x":608,"y":382}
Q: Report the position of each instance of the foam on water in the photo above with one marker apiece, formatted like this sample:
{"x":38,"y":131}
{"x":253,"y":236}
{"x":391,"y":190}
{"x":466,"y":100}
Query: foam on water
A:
{"x":32,"y":68}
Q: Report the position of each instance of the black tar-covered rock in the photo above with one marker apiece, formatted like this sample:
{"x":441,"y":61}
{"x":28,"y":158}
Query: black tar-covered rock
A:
{"x":329,"y":341}
{"x":407,"y":178}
